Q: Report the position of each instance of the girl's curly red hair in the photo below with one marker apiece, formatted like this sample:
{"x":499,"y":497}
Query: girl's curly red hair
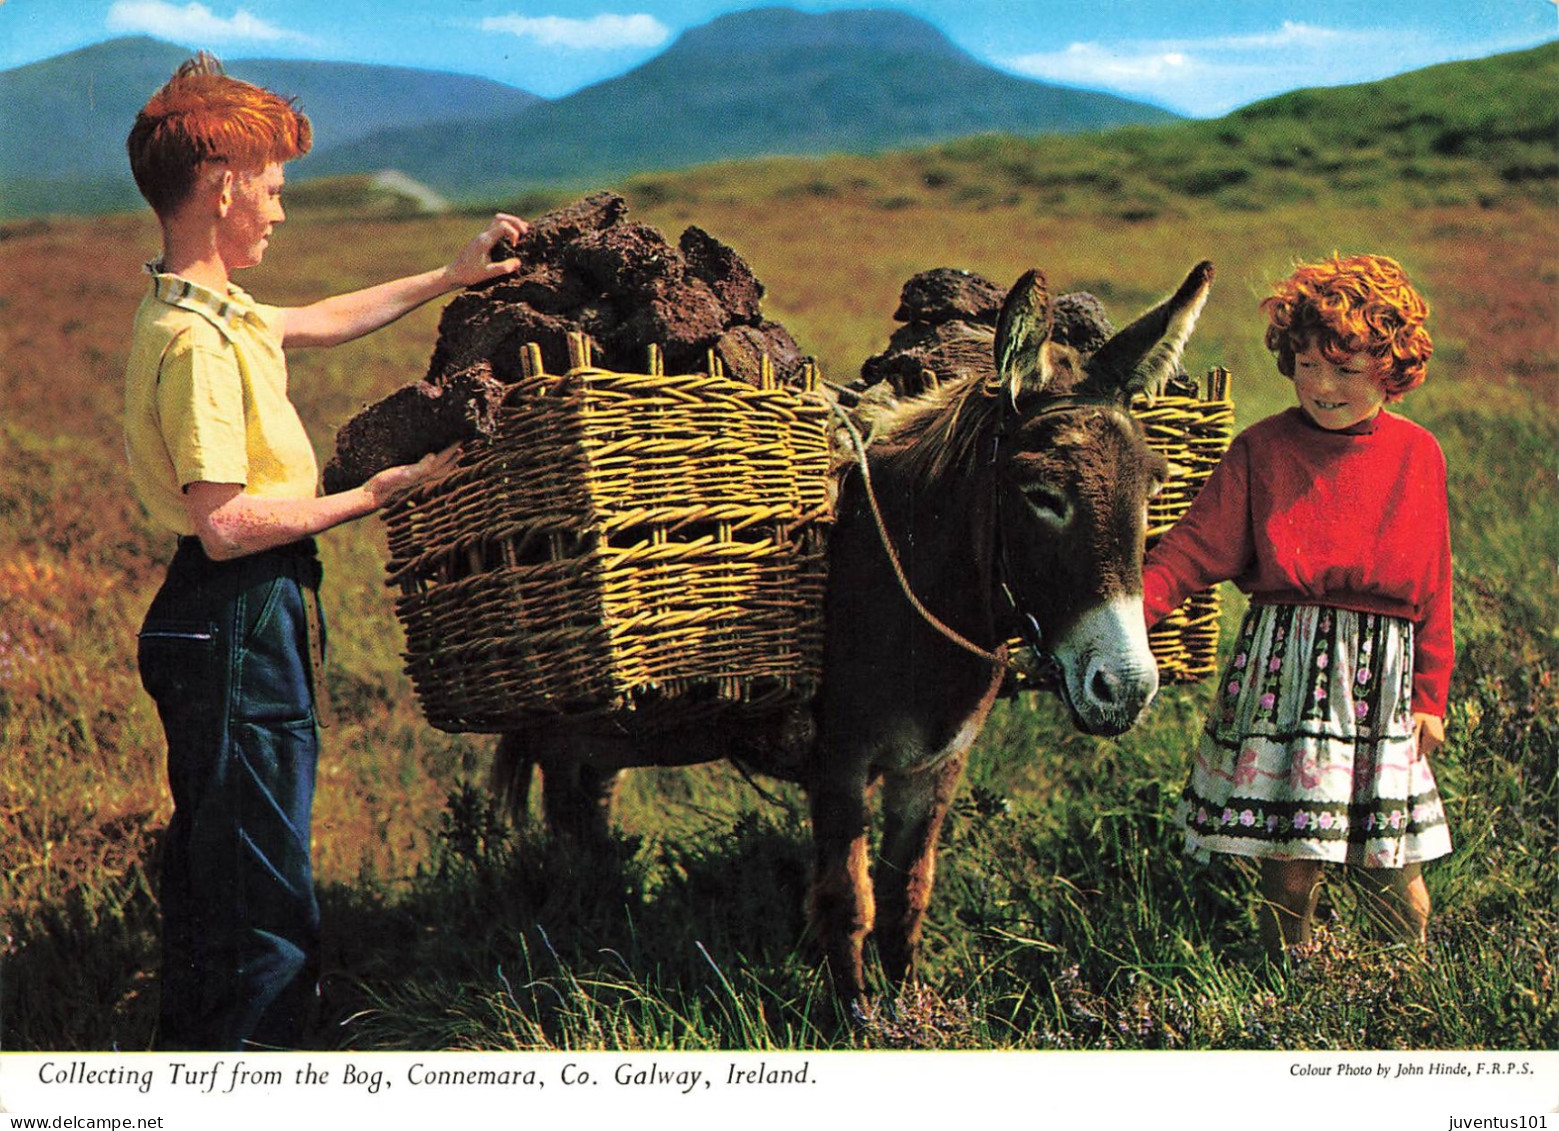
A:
{"x":201,"y":115}
{"x":1347,"y":305}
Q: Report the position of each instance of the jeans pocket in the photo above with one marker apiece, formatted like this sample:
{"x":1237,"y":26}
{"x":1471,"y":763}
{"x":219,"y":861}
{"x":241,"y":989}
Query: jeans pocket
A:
{"x":272,"y":677}
{"x":178,"y":661}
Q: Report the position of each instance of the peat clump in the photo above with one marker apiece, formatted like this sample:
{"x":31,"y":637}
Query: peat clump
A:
{"x":585,"y":269}
{"x":949,"y":330}
{"x":411,"y":422}
{"x":588,"y":269}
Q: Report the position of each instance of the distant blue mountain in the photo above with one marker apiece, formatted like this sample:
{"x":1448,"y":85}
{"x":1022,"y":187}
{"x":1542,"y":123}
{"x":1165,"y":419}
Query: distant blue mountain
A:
{"x":762,"y":82}
{"x":63,"y":121}
{"x":767,"y":81}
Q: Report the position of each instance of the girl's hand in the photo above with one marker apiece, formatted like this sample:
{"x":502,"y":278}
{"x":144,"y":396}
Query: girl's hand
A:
{"x":474,"y":263}
{"x":1429,"y":730}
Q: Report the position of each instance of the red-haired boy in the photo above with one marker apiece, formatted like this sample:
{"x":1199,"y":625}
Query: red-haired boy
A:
{"x":232,"y":645}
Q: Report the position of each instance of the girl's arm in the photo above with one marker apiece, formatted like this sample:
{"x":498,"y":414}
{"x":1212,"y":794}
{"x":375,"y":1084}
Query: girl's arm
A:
{"x":1211,"y":542}
{"x":344,"y":317}
{"x":1434,"y":649}
{"x":1429,"y":730}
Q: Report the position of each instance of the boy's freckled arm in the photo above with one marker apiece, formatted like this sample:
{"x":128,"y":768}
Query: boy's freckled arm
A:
{"x":345,"y":317}
{"x":231,"y":524}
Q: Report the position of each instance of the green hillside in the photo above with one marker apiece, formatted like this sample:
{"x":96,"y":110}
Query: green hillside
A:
{"x":1458,"y":133}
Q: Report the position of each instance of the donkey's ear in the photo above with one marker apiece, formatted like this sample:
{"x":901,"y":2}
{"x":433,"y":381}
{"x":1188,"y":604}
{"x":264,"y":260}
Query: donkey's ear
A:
{"x":1148,"y":351}
{"x":1022,"y":329}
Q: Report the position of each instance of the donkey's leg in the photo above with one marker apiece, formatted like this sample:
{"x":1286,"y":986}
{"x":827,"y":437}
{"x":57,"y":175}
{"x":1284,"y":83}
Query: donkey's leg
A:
{"x":914,"y":806}
{"x":577,"y":788}
{"x":840,"y":903}
{"x":577,"y":799}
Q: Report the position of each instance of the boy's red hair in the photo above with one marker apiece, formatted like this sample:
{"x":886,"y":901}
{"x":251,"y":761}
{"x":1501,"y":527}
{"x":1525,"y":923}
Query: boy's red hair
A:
{"x":201,"y":115}
{"x":1347,"y":305}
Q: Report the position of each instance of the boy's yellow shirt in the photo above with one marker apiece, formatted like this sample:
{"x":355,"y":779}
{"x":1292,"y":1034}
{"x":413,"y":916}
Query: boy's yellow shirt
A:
{"x":206,"y":400}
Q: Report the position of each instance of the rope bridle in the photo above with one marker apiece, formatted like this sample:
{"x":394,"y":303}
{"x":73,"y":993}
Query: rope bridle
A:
{"x":1028,"y":625}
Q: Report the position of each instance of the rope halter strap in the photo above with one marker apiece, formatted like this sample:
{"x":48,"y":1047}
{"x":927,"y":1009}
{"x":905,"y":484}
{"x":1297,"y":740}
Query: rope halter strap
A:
{"x":1028,"y":625}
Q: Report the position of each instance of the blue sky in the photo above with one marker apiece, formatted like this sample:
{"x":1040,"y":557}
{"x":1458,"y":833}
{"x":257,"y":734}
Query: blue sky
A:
{"x":1195,"y":57}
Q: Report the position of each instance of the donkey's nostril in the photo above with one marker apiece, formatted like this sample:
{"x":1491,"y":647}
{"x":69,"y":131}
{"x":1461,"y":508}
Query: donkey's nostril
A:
{"x":1104,"y":685}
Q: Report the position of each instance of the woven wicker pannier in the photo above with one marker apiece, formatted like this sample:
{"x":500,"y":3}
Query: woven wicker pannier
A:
{"x":1192,"y":429}
{"x":653,"y":546}
{"x":642,"y":546}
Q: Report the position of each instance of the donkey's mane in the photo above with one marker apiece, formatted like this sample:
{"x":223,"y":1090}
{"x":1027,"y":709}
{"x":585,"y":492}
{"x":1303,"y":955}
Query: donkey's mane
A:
{"x":937,"y":430}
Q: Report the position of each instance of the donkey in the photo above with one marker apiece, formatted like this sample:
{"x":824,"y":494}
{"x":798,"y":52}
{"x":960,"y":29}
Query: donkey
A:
{"x":1017,"y":507}
{"x":997,"y":504}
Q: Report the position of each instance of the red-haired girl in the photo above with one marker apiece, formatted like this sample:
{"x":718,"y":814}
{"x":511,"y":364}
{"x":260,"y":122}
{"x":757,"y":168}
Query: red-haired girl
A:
{"x":1332,"y":517}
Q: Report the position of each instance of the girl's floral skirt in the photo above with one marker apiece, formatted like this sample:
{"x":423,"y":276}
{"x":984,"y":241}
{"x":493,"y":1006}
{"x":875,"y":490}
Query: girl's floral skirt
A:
{"x":1309,"y":753}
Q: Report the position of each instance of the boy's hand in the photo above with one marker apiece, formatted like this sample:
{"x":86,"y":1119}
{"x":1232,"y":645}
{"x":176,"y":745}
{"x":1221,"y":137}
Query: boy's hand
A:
{"x":1429,"y":730}
{"x":392,"y":481}
{"x":474,"y":264}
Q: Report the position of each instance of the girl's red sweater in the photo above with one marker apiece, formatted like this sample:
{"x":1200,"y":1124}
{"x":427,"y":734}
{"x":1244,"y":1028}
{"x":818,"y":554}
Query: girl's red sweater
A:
{"x":1298,"y":515}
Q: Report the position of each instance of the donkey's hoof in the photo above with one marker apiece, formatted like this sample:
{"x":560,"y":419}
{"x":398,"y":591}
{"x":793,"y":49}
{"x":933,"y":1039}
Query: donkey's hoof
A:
{"x":860,"y":1012}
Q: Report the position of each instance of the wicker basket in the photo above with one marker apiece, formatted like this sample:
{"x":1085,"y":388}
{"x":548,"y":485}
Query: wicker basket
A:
{"x":653,"y":547}
{"x":1191,"y":426}
{"x":627,"y":542}
{"x":1192,"y":429}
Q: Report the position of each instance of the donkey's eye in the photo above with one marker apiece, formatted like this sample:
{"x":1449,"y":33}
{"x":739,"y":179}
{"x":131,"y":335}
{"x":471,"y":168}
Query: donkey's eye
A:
{"x":1048,"y":503}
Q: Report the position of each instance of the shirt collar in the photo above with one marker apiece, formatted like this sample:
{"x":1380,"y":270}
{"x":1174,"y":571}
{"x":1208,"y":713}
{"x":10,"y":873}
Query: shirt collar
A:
{"x":226,"y":312}
{"x":1362,"y":428}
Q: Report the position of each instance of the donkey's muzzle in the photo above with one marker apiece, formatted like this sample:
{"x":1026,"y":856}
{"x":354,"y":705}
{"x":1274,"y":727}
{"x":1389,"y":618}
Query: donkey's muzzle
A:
{"x":1109,"y":674}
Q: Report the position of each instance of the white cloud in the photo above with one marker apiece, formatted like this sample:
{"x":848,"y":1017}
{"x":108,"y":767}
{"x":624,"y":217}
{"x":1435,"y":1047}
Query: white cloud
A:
{"x":599,"y":33}
{"x":192,"y":22}
{"x":1105,"y":64}
{"x":1215,"y":74}
{"x":1291,"y":36}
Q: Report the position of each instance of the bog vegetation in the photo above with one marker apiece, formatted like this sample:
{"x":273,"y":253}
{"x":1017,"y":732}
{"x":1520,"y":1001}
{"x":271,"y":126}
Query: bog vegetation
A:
{"x":1065,"y":916}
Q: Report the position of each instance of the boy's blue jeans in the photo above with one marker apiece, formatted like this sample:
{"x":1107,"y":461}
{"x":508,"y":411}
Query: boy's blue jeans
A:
{"x":224,"y":652}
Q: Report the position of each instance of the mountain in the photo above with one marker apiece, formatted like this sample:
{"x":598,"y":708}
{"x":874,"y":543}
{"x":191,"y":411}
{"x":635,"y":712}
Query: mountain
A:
{"x":776,"y":81}
{"x":768,"y":81}
{"x":63,"y":121}
{"x":761,"y":82}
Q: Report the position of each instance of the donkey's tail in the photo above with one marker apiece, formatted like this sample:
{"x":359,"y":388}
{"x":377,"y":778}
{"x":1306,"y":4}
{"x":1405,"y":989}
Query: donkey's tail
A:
{"x":514,"y":763}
